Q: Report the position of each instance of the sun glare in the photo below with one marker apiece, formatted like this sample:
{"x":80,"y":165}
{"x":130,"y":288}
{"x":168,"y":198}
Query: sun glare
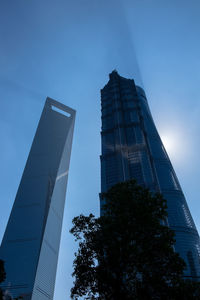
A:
{"x":169,"y":143}
{"x":174,"y":145}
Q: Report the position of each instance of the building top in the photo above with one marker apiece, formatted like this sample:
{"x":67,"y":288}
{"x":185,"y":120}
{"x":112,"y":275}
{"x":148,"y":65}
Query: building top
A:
{"x":115,"y":77}
{"x":114,"y":74}
{"x":60,"y":107}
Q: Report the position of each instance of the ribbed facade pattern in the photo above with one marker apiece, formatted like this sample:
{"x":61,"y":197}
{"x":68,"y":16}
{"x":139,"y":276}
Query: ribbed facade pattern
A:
{"x":132,"y":148}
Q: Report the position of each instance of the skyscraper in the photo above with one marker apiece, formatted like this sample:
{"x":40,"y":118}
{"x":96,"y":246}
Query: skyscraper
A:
{"x":132,"y":148}
{"x":31,"y":241}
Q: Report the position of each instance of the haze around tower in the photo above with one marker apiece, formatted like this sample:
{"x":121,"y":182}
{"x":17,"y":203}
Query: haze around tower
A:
{"x":65,"y":50}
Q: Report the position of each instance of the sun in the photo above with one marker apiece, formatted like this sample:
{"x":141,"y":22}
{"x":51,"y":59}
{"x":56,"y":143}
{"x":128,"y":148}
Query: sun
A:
{"x":169,"y":143}
{"x":175,"y":145}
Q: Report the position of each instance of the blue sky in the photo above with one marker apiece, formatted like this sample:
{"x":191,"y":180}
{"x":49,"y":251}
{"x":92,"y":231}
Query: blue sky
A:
{"x":65,"y":49}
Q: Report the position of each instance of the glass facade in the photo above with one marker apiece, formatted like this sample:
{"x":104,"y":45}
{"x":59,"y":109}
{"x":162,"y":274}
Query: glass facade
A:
{"x":132,"y":148}
{"x":31,"y":241}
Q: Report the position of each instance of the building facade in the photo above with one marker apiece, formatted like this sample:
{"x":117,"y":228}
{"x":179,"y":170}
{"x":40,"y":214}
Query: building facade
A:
{"x":132,"y":148}
{"x":31,"y":241}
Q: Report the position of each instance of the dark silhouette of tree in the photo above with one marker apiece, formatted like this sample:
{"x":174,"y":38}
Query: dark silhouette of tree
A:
{"x":128,"y":252}
{"x":2,"y":276}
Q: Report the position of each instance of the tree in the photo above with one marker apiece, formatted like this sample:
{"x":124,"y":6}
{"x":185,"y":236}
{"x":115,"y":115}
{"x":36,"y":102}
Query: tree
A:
{"x":128,"y":252}
{"x":2,"y":276}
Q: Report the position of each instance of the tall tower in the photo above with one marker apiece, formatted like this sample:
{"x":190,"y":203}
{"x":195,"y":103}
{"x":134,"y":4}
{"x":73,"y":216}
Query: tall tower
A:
{"x":132,"y":148}
{"x":31,"y":241}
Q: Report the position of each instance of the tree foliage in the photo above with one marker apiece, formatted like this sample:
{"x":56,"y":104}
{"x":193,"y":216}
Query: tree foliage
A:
{"x":128,"y":252}
{"x":2,"y":276}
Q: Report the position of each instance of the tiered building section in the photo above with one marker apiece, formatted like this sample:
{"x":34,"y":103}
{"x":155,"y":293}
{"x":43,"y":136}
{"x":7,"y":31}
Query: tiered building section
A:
{"x":132,"y":148}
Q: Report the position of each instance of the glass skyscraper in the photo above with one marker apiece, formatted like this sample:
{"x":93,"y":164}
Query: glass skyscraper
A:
{"x":31,"y":241}
{"x":132,"y":148}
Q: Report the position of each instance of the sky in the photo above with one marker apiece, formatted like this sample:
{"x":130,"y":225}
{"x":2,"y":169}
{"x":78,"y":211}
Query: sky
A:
{"x":65,"y":49}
